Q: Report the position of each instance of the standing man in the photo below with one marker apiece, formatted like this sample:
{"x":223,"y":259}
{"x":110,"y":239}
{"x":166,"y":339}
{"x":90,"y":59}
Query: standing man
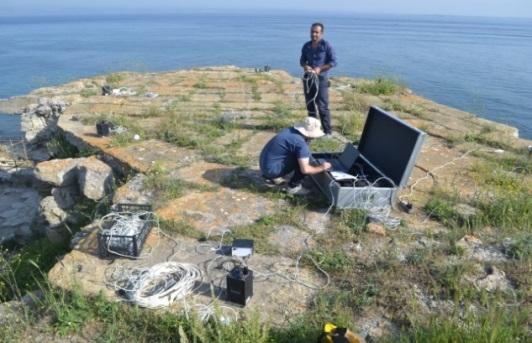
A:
{"x":317,"y":57}
{"x":288,"y":152}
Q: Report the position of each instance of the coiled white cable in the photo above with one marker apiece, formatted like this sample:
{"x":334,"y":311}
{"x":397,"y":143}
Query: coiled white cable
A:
{"x":118,"y":224}
{"x":157,"y":286}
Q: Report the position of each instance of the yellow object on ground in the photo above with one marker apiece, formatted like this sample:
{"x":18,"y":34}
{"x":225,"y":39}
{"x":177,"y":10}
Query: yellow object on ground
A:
{"x":333,"y":334}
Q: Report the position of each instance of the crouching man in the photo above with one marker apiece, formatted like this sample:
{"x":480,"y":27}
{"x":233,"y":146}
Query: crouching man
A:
{"x":288,"y":152}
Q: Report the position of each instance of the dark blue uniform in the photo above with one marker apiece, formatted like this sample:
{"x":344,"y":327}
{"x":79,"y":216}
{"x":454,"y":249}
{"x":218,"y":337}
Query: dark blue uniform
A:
{"x":322,"y":54}
{"x":279,"y":156}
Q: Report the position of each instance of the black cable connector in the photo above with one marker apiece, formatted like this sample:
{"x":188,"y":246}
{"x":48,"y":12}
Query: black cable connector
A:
{"x":406,"y":206}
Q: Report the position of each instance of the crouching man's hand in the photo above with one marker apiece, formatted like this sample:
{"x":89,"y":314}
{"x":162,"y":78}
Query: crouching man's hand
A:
{"x":326,"y":166}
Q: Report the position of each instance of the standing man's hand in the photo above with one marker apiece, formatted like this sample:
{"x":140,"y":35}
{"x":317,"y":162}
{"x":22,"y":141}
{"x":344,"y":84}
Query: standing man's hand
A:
{"x":308,"y":69}
{"x":317,"y":70}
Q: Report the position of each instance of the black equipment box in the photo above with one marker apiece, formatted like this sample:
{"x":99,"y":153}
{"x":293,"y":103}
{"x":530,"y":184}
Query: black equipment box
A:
{"x":240,"y":285}
{"x":368,"y":176}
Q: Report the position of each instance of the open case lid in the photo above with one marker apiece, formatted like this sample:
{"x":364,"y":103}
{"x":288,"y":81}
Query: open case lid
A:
{"x":390,"y":144}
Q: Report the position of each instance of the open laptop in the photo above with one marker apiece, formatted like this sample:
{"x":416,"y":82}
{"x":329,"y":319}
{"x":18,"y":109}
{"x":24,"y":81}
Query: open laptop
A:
{"x":342,"y":164}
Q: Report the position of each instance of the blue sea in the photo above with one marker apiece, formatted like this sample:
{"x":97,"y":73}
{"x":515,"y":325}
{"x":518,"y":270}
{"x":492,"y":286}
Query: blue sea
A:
{"x":480,"y":65}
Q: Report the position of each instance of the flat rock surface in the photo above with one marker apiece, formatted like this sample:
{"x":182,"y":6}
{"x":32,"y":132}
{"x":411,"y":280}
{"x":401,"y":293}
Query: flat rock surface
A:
{"x":290,"y":240}
{"x":218,"y":211}
{"x":273,"y":295}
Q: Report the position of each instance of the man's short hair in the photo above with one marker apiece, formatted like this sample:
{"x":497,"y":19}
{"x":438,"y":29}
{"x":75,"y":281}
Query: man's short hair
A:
{"x":318,"y":24}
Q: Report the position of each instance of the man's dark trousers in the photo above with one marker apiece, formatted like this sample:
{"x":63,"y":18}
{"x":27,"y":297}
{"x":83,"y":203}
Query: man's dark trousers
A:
{"x":295,"y":180}
{"x":321,"y":102}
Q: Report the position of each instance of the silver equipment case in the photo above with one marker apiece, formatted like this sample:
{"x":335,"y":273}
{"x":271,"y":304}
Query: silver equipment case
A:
{"x":368,"y":175}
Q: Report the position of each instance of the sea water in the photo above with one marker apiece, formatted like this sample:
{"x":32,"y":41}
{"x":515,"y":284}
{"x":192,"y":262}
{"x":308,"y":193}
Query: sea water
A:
{"x":480,"y":65}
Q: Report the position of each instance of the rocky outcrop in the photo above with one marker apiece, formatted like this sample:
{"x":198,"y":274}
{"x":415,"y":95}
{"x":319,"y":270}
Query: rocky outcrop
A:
{"x":52,"y":212}
{"x":70,"y":180}
{"x":58,"y":173}
{"x":93,"y":177}
{"x":66,"y":197}
{"x":19,"y":211}
{"x":39,"y":121}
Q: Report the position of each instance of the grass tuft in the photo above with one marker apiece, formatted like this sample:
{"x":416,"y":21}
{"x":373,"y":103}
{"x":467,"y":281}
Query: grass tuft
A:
{"x":379,"y":86}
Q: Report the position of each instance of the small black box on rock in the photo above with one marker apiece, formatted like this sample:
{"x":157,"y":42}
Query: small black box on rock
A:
{"x":103,"y":128}
{"x":240,"y":285}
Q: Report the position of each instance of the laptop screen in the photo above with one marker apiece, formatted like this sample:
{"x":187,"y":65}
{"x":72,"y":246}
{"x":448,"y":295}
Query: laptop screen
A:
{"x":348,"y":156}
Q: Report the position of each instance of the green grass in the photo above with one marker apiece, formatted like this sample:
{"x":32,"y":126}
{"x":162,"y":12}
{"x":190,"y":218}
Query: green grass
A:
{"x":152,"y":111}
{"x":201,"y":84}
{"x":200,"y":132}
{"x":354,"y":220}
{"x":114,"y":79}
{"x":354,"y":102}
{"x":510,"y":212}
{"x":88,"y":92}
{"x":180,"y":228}
{"x":396,"y":105}
{"x":253,"y":81}
{"x":326,"y":145}
{"x":442,"y":208}
{"x":255,"y":94}
{"x":60,"y":148}
{"x":282,"y":116}
{"x":494,"y":326}
{"x":379,"y":86}
{"x":20,"y":271}
{"x":351,"y":125}
{"x":166,"y":187}
{"x":23,"y":268}
{"x":481,"y":139}
{"x":332,"y":261}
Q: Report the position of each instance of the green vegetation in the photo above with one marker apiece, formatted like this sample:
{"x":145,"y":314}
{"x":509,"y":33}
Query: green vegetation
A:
{"x":166,"y":187}
{"x":351,"y":125}
{"x":21,"y":269}
{"x":326,"y":145}
{"x":379,"y":86}
{"x":88,"y":92}
{"x":354,"y":102}
{"x":253,"y":82}
{"x":201,"y":84}
{"x":152,"y":111}
{"x":59,"y":147}
{"x":281,"y":116}
{"x":114,"y":79}
{"x":496,"y":325}
{"x":180,"y":228}
{"x":396,"y":105}
{"x":481,"y":138}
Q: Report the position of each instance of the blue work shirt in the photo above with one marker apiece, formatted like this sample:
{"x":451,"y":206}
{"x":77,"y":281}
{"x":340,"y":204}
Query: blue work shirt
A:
{"x":279,"y":156}
{"x":323,"y":54}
